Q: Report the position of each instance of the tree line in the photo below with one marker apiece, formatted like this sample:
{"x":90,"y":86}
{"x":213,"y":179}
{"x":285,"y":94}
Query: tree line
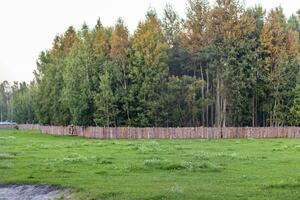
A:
{"x":222,"y":65}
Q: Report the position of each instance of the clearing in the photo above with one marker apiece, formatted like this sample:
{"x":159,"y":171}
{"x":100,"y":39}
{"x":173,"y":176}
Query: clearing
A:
{"x":153,"y":169}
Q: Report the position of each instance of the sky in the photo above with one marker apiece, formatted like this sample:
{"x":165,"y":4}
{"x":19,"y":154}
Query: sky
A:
{"x":28,"y":27}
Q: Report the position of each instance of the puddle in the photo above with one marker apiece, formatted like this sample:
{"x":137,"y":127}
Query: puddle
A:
{"x":31,"y":192}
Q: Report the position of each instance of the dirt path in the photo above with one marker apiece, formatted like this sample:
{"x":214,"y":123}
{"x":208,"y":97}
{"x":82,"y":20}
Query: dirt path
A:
{"x":29,"y":192}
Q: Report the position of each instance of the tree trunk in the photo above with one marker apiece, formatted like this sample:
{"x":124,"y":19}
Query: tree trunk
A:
{"x":275,"y":113}
{"x":253,"y":111}
{"x":203,"y":96}
{"x":212,"y":108}
{"x":193,"y":109}
{"x":217,"y":110}
{"x":224,"y":112}
{"x":207,"y":92}
{"x":107,"y":112}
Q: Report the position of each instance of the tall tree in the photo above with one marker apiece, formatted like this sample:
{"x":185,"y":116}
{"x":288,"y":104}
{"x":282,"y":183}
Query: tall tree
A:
{"x":77,"y":94}
{"x":223,"y":65}
{"x":279,"y":47}
{"x":106,"y":111}
{"x":147,"y":72}
{"x":172,"y":27}
{"x":119,"y":43}
{"x":4,"y":101}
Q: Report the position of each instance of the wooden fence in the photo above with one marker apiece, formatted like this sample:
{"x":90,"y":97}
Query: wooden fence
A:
{"x":8,"y":126}
{"x":167,"y":133}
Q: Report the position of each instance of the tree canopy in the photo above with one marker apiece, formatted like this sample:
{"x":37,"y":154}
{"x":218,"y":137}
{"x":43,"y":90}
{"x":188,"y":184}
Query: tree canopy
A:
{"x":221,"y":65}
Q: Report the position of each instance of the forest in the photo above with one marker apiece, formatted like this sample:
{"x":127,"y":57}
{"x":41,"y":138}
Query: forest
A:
{"x":221,"y":65}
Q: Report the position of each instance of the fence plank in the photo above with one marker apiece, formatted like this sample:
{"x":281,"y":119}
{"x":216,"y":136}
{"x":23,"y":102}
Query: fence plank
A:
{"x":164,"y":133}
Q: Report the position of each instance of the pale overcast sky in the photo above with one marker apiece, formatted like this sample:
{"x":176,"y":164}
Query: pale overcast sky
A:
{"x":29,"y":26}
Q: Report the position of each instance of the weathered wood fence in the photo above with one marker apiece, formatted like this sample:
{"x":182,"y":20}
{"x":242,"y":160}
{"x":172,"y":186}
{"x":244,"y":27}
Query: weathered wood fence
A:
{"x":8,"y":126}
{"x":167,"y":133}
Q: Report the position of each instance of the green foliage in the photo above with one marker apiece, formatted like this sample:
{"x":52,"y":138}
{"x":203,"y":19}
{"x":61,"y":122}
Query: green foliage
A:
{"x":6,"y":110}
{"x":147,"y":72}
{"x":183,"y":101}
{"x":294,"y":116}
{"x":105,"y":114}
{"x":77,"y":93}
{"x":222,"y":65}
{"x":23,"y":103}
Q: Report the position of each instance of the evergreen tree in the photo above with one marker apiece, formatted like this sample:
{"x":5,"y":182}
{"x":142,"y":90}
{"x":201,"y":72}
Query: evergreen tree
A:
{"x":147,"y":72}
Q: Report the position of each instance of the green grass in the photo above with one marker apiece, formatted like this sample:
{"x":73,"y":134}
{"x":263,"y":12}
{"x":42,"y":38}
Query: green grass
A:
{"x":153,"y":169}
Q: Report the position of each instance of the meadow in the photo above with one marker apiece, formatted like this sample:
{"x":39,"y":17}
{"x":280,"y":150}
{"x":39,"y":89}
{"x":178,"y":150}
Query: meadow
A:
{"x":153,"y":169}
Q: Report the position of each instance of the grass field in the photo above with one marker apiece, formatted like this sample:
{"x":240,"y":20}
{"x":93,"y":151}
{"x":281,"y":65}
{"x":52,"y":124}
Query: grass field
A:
{"x":154,"y":169}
